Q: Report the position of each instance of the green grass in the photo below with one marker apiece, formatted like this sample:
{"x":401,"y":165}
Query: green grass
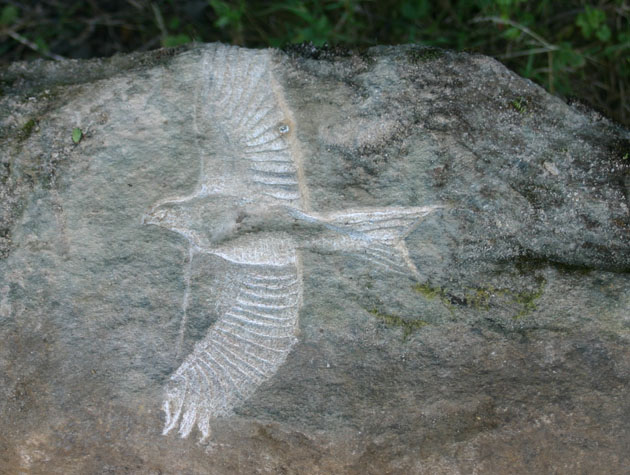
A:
{"x":572,"y":48}
{"x":519,"y":105}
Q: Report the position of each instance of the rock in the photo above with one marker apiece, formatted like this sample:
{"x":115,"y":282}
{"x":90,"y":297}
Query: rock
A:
{"x":403,"y":260}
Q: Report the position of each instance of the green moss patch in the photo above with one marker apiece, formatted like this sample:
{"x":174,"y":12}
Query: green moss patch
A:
{"x":428,"y":291}
{"x":408,"y":326}
{"x":527,"y":300}
{"x":27,"y":129}
{"x":524,"y":302}
{"x":488,"y":296}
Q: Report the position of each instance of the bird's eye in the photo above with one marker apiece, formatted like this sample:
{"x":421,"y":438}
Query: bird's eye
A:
{"x":283,"y":128}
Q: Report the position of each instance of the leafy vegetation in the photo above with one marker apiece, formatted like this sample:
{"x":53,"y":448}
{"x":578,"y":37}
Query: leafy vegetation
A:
{"x":579,"y":48}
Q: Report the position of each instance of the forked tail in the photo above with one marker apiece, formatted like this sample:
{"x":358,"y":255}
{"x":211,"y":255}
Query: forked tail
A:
{"x":379,"y":234}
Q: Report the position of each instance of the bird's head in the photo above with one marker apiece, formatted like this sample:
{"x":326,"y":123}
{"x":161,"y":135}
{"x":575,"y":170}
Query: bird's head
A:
{"x":204,"y":220}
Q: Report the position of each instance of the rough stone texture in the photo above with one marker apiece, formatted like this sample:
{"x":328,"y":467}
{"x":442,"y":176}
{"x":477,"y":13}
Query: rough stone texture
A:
{"x":508,"y":352}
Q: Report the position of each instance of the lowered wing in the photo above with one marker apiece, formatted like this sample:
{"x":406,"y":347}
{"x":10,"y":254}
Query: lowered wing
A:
{"x":244,"y":348}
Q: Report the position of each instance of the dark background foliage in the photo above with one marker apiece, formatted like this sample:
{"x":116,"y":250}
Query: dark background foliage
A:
{"x":572,"y":48}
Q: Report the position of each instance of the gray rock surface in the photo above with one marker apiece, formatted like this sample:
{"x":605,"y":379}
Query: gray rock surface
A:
{"x":502,"y":347}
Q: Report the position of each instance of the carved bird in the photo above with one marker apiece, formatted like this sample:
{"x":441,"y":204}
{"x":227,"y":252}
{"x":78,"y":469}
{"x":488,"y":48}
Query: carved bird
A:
{"x":251,"y":208}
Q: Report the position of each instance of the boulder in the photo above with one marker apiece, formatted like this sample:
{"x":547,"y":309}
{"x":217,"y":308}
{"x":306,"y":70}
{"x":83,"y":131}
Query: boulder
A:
{"x":221,"y":260}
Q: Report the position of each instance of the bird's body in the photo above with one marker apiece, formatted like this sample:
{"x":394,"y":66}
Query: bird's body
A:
{"x":235,"y":229}
{"x":251,"y":208}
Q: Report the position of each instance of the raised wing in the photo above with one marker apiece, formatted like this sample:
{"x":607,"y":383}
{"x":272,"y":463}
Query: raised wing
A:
{"x":244,"y":348}
{"x":241,"y":108}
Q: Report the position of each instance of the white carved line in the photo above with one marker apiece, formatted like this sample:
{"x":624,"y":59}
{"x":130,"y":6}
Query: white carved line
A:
{"x":275,"y":180}
{"x":239,"y":353}
{"x":271,"y":289}
{"x":246,"y":321}
{"x":273,"y":157}
{"x":256,"y":362}
{"x":187,"y":276}
{"x":263,"y":315}
{"x":273,"y":167}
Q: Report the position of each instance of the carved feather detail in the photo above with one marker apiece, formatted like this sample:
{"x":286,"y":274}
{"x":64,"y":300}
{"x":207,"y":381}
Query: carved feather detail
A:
{"x":240,"y":113}
{"x":251,"y":173}
{"x":244,"y":348}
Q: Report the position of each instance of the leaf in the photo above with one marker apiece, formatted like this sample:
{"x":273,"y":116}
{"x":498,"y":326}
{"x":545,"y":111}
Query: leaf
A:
{"x":228,"y":14}
{"x":415,"y":10}
{"x":175,"y":40}
{"x":41,"y":44}
{"x":173,"y":24}
{"x":9,"y":15}
{"x":512,"y":33}
{"x":604,"y":33}
{"x":77,"y":135}
{"x":590,"y":21}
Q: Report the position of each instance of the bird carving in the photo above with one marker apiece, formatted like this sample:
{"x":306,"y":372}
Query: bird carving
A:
{"x":251,"y":208}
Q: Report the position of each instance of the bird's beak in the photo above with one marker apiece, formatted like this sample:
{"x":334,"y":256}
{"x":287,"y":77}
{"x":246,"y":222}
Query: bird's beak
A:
{"x":150,"y":217}
{"x":146,"y":218}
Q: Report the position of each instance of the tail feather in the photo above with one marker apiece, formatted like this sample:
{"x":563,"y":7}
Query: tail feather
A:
{"x":392,"y":223}
{"x":382,"y":232}
{"x":394,"y":258}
